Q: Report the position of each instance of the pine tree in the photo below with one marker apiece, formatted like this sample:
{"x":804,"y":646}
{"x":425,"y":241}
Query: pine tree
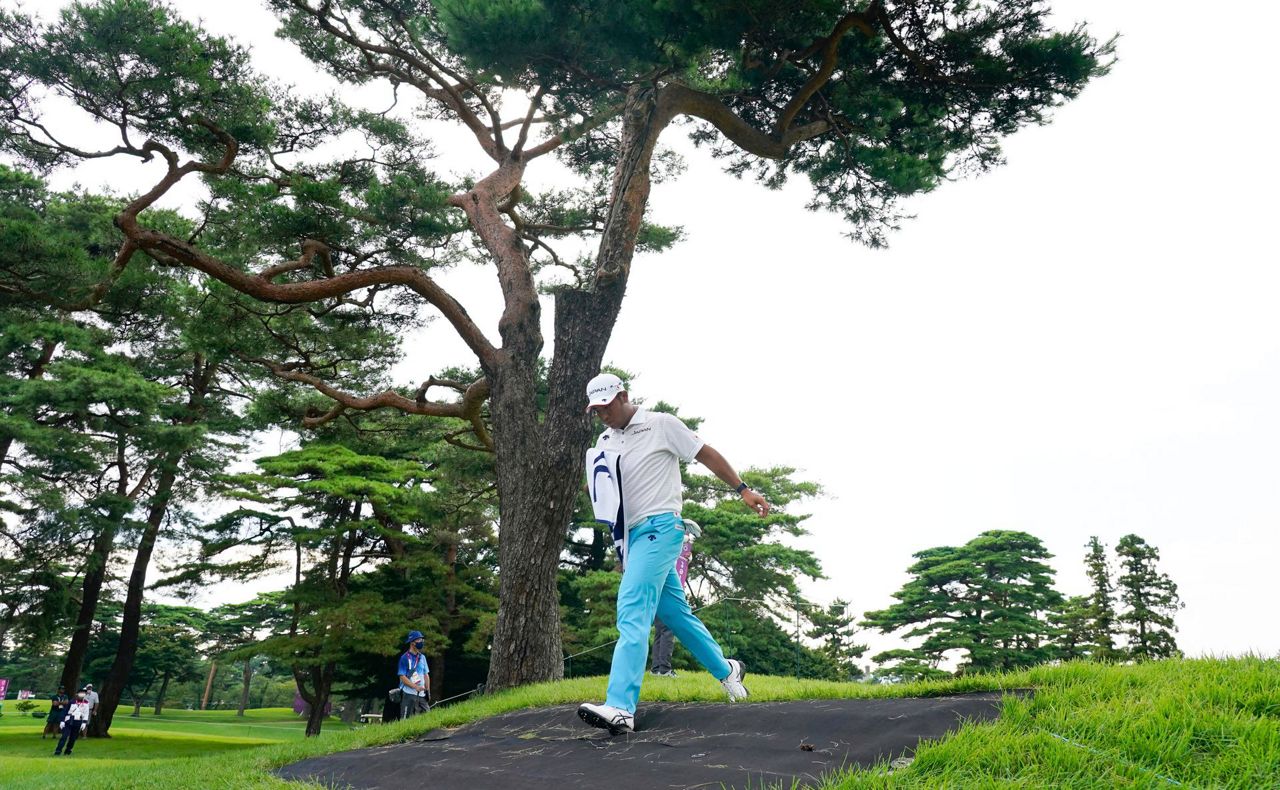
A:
{"x":988,"y":599}
{"x":1073,"y":624}
{"x":833,"y":627}
{"x":1150,"y":598}
{"x":1101,"y":643}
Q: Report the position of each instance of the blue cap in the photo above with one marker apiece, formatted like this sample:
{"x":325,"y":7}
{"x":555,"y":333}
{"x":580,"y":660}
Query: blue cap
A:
{"x":413,"y":635}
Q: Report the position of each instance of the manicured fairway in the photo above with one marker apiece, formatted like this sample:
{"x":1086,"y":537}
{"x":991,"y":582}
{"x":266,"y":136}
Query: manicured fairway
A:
{"x":173,"y":744}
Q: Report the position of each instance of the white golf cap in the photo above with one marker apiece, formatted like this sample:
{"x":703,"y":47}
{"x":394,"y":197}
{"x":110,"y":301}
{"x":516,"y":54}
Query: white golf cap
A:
{"x":602,"y":389}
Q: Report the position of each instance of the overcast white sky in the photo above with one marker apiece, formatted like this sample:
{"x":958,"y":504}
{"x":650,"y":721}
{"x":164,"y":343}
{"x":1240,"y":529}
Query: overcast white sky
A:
{"x":1083,"y":342}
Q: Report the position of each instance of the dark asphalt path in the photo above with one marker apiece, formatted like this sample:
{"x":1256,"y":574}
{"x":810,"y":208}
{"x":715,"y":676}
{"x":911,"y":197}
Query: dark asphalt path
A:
{"x":678,"y":745}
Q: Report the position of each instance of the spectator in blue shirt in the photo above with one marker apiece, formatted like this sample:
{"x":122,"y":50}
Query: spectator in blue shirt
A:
{"x":414,"y":677}
{"x":58,"y":705}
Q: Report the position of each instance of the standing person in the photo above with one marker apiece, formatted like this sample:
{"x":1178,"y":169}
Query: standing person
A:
{"x":91,"y":697}
{"x":645,"y":450}
{"x":414,"y":677}
{"x":664,"y":641}
{"x":57,"y":711}
{"x":664,"y":646}
{"x":73,"y":724}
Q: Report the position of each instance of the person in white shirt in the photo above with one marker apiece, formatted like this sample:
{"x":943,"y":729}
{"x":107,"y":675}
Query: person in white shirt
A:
{"x":73,"y":724}
{"x":647,"y":448}
{"x":92,"y":697}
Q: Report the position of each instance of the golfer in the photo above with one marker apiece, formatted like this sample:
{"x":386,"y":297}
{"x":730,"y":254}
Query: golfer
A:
{"x":648,"y":448}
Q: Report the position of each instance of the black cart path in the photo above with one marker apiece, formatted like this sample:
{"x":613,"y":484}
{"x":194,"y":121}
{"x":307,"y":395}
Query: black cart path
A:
{"x":678,"y":745}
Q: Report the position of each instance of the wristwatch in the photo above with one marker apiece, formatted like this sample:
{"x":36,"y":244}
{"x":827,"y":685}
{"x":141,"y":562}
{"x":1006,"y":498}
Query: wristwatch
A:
{"x":741,"y":487}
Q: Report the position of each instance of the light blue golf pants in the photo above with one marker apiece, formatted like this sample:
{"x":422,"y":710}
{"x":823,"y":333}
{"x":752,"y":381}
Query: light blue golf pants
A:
{"x":650,"y":586}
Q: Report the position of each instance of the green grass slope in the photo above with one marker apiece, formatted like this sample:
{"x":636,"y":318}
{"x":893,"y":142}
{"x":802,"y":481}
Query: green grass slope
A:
{"x":1193,"y":723}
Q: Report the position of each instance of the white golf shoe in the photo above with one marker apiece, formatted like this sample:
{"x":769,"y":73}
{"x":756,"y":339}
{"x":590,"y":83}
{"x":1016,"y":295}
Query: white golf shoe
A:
{"x":609,"y":718}
{"x":733,"y":683}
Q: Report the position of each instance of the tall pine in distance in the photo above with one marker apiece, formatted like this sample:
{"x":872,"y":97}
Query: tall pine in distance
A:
{"x":1074,"y":629}
{"x":1150,"y":599}
{"x":1101,"y":627}
{"x":985,"y":604}
{"x":833,"y":627}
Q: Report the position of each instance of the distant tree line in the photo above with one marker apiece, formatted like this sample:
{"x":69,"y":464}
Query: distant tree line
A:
{"x":990,"y":606}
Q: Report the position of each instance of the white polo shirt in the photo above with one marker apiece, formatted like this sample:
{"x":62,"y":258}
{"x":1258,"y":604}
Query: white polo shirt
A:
{"x":651,"y":448}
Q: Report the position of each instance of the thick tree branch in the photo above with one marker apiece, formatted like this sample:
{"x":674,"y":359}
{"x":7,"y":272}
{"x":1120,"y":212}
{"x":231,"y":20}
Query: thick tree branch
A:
{"x":519,"y":322}
{"x":528,"y":120}
{"x":310,"y":250}
{"x":830,"y":50}
{"x":315,"y":290}
{"x":329,"y":416}
{"x":260,"y":286}
{"x":685,"y":100}
{"x":468,"y":408}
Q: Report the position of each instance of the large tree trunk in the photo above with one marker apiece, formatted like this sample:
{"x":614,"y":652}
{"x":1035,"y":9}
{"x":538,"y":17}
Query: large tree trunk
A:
{"x":131,"y":619}
{"x":164,"y":689}
{"x":435,"y":680}
{"x":202,"y":375}
{"x":322,"y":682}
{"x":539,"y":465}
{"x":208,"y":685}
{"x":94,"y":574}
{"x":535,"y":495}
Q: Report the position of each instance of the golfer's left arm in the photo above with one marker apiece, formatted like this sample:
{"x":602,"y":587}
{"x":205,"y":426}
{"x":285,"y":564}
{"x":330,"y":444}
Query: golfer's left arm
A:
{"x":709,"y":457}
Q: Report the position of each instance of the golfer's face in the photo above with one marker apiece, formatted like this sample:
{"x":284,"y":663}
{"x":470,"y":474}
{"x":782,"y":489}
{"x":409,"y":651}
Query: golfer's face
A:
{"x":614,"y":413}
